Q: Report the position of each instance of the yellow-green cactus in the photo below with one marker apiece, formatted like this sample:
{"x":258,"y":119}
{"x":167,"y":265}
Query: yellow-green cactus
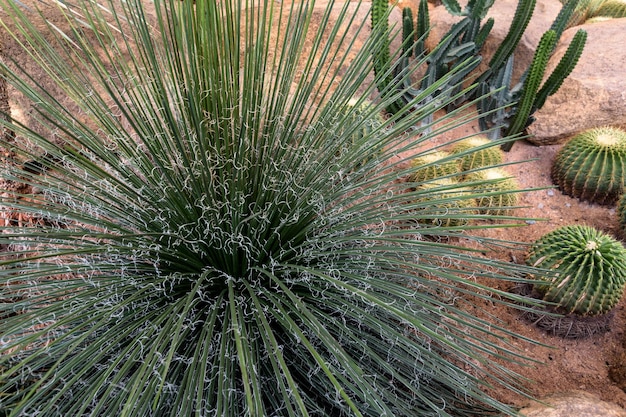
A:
{"x":589,"y":266}
{"x":591,"y":165}
{"x":433,"y":165}
{"x":485,"y":157}
{"x":589,"y":11}
{"x":446,"y":203}
{"x":499,"y":187}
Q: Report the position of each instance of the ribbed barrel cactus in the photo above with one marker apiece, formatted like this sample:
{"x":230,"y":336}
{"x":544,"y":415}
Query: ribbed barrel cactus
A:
{"x":445,"y":203}
{"x":486,"y":154}
{"x":500,"y":190}
{"x":591,"y":166}
{"x":589,"y":266}
{"x":433,"y":165}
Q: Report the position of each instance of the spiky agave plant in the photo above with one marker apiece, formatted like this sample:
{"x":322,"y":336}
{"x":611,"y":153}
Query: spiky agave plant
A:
{"x":592,"y":165}
{"x":195,"y":242}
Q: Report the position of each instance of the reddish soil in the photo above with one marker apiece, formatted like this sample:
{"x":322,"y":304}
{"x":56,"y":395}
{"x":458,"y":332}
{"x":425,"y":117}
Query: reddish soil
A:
{"x":596,"y":364}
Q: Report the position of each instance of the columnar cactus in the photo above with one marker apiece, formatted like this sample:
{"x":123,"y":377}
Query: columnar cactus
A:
{"x":433,"y":165}
{"x":499,"y":187}
{"x":589,"y":269}
{"x":488,"y":156}
{"x":591,"y":166}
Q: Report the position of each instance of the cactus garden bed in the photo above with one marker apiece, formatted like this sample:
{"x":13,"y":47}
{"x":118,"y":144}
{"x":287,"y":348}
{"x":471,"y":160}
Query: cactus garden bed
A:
{"x":596,"y":364}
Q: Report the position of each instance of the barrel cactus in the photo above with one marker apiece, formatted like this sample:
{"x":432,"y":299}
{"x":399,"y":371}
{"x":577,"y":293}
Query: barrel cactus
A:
{"x":499,"y":187}
{"x":446,"y":203}
{"x":484,"y":154}
{"x":589,"y":11}
{"x":433,"y":165}
{"x":591,"y":165}
{"x":589,"y":266}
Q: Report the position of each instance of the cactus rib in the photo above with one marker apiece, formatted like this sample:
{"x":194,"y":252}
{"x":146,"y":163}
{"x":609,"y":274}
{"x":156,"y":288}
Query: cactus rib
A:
{"x":531,"y":85}
{"x":589,"y":269}
{"x":563,"y":68}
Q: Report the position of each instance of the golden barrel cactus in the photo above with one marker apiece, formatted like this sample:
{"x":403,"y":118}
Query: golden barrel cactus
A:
{"x":433,"y":165}
{"x":445,"y":203}
{"x":589,"y":266}
{"x":591,"y":165}
{"x":499,"y":188}
{"x":477,"y":152}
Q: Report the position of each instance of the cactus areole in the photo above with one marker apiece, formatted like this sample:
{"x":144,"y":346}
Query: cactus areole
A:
{"x":589,"y":269}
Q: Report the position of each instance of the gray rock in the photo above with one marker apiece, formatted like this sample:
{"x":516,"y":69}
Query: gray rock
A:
{"x":573,"y":404}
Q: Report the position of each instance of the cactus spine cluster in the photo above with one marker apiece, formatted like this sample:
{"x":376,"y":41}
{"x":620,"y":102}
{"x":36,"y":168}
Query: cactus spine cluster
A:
{"x":445,"y":203}
{"x":588,"y":269}
{"x":592,"y":165}
{"x":477,"y":152}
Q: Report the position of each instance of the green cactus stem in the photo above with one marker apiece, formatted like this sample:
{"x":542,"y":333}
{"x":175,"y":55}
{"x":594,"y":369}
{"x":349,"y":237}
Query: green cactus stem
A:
{"x":589,"y":269}
{"x":408,"y":32}
{"x":432,"y":166}
{"x":591,"y":166}
{"x":477,"y":152}
{"x":499,"y":187}
{"x":531,"y":85}
{"x":422,"y":27}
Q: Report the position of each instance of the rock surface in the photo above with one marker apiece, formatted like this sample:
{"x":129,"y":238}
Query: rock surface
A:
{"x":573,"y":404}
{"x":594,"y":94}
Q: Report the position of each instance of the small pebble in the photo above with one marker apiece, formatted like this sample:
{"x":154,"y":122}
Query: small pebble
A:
{"x":531,"y":221}
{"x":550,"y":192}
{"x":540,"y":205}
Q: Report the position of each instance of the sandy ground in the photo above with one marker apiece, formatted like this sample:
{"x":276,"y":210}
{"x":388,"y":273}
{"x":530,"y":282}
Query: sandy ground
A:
{"x":593,"y":364}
